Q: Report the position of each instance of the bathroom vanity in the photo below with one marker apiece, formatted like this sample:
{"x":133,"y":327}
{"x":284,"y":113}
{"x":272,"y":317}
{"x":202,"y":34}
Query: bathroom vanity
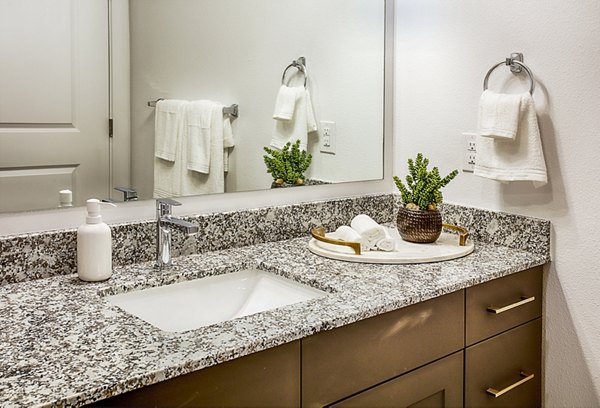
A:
{"x":415,"y":355}
{"x":381,"y":333}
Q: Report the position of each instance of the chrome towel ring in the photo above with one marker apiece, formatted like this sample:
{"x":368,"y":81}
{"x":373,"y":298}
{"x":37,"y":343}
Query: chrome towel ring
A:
{"x":515,"y":62}
{"x":300,"y":65}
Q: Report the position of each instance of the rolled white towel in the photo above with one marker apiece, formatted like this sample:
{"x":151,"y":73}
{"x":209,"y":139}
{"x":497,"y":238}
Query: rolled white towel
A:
{"x":368,"y":229}
{"x":348,"y":234}
{"x":388,"y":243}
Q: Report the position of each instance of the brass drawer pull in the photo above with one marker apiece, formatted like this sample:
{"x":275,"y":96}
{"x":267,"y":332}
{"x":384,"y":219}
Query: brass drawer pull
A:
{"x":524,"y":300}
{"x":496,"y":393}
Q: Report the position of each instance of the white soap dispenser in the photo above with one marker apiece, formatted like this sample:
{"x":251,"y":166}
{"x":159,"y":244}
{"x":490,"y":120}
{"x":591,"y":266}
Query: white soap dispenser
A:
{"x":94,"y":245}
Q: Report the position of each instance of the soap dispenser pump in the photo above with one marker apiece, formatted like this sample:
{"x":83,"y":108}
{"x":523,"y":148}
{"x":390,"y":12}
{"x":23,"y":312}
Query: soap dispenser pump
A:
{"x":94,"y":245}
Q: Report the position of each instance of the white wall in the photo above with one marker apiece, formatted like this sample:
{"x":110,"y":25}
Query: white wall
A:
{"x":443,"y":50}
{"x":235,"y":52}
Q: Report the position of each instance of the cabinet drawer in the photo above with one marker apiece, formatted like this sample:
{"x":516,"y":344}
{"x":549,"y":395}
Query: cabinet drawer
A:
{"x":438,"y":384}
{"x":508,"y":364}
{"x":501,"y":304}
{"x":352,"y":358}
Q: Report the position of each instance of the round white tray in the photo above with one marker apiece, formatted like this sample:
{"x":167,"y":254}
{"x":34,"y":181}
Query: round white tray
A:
{"x":444,"y":249}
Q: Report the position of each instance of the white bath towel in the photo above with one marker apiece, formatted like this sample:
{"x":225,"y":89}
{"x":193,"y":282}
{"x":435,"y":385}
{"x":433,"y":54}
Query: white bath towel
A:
{"x":348,"y":234}
{"x":197,"y":124}
{"x":520,"y":159}
{"x":368,"y":229}
{"x":388,"y":243}
{"x":298,"y":128}
{"x":167,"y":127}
{"x":174,"y":178}
{"x":285,"y":103}
{"x":499,"y":115}
{"x":195,"y":183}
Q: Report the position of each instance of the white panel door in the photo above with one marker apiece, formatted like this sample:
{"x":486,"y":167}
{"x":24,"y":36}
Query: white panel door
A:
{"x":54,"y":102}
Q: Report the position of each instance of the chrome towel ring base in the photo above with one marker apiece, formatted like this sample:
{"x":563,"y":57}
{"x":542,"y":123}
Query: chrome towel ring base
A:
{"x":514,"y":61}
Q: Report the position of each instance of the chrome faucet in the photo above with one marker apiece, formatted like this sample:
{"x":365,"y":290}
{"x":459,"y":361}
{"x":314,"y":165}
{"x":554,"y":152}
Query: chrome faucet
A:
{"x":164,"y":222}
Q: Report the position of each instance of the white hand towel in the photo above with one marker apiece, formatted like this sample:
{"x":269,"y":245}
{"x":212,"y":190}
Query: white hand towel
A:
{"x":168,"y":120}
{"x":368,"y":229}
{"x":285,"y":104}
{"x":197,"y":124}
{"x":348,"y":234}
{"x":499,"y":115}
{"x":388,"y":243}
{"x":302,"y":123}
{"x":520,"y":159}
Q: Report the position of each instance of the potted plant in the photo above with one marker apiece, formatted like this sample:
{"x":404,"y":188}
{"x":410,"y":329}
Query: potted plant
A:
{"x":419,"y":219}
{"x":287,"y":166}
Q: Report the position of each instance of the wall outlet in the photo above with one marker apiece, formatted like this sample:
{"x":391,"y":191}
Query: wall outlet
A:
{"x":328,"y":136}
{"x":469,"y":152}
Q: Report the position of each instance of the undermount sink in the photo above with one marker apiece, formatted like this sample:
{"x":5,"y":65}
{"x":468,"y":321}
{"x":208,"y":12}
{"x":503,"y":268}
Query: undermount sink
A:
{"x":201,"y":302}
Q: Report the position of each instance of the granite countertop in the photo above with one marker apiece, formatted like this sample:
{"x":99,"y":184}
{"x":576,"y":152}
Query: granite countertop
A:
{"x":63,"y":344}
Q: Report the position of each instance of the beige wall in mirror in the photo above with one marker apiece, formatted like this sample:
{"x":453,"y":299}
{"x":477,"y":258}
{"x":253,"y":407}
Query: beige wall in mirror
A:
{"x":54,"y":128}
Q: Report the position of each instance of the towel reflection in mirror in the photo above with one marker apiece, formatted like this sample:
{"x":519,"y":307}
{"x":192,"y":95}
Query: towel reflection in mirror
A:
{"x":192,"y":144}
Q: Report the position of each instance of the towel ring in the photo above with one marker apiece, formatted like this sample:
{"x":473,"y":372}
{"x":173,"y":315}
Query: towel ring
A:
{"x":510,"y":62}
{"x":299,"y":64}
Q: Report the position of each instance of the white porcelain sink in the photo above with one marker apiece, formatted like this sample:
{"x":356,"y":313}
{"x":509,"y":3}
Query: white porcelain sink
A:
{"x":190,"y":305}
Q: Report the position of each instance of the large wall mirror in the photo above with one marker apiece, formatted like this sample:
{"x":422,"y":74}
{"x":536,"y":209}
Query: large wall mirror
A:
{"x":58,"y":90}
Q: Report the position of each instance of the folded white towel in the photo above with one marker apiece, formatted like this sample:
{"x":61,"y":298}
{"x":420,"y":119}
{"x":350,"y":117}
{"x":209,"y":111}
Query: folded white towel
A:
{"x":368,"y":229}
{"x":197,"y":123}
{"x":388,"y":243}
{"x":285,"y":104}
{"x":302,"y":122}
{"x":167,"y":127}
{"x":521,"y":159}
{"x":499,"y":115}
{"x":348,"y":234}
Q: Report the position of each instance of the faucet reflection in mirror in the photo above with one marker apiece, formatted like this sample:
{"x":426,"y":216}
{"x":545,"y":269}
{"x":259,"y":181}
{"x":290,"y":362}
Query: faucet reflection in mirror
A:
{"x":164,"y":224}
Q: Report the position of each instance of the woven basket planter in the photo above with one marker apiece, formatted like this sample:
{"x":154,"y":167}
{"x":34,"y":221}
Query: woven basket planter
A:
{"x":421,"y":226}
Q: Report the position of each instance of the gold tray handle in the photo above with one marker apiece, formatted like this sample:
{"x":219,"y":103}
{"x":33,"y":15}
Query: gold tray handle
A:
{"x":318,"y":233}
{"x":463,"y":233}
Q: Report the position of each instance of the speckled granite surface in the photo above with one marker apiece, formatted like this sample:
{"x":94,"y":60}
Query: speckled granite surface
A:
{"x":63,"y":344}
{"x":34,"y":256}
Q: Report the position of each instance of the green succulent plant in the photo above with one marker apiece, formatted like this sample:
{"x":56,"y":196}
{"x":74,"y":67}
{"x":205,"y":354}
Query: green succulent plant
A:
{"x":422,"y":189}
{"x":288,"y":164}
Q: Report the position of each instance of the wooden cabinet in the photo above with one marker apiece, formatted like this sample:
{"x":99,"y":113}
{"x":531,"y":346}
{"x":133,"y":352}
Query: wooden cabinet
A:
{"x":503,"y":333}
{"x":269,"y":378}
{"x":505,"y":370}
{"x":352,"y":358}
{"x":482,"y":344}
{"x":438,"y":384}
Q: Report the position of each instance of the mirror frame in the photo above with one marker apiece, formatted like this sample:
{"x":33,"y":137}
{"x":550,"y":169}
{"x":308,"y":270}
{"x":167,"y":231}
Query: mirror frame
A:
{"x":47,"y":220}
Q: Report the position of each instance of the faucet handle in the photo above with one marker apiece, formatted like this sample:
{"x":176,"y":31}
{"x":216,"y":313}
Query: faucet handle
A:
{"x":163,"y":206}
{"x":129,"y":194}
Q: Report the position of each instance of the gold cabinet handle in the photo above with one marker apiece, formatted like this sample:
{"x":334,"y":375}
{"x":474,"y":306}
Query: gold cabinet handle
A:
{"x":524,"y":300}
{"x":496,"y":393}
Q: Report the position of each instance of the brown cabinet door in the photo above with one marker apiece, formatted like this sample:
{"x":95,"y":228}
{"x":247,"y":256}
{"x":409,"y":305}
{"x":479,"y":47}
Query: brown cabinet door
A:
{"x":437,"y":385}
{"x":352,"y":358}
{"x":503,"y":303}
{"x":505,"y":371}
{"x":269,"y":378}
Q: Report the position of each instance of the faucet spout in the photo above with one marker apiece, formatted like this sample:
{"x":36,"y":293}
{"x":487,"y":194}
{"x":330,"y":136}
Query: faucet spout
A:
{"x":165,"y":222}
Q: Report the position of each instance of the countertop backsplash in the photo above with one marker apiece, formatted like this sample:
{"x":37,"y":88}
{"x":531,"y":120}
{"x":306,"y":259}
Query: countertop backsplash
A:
{"x":41,"y":255}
